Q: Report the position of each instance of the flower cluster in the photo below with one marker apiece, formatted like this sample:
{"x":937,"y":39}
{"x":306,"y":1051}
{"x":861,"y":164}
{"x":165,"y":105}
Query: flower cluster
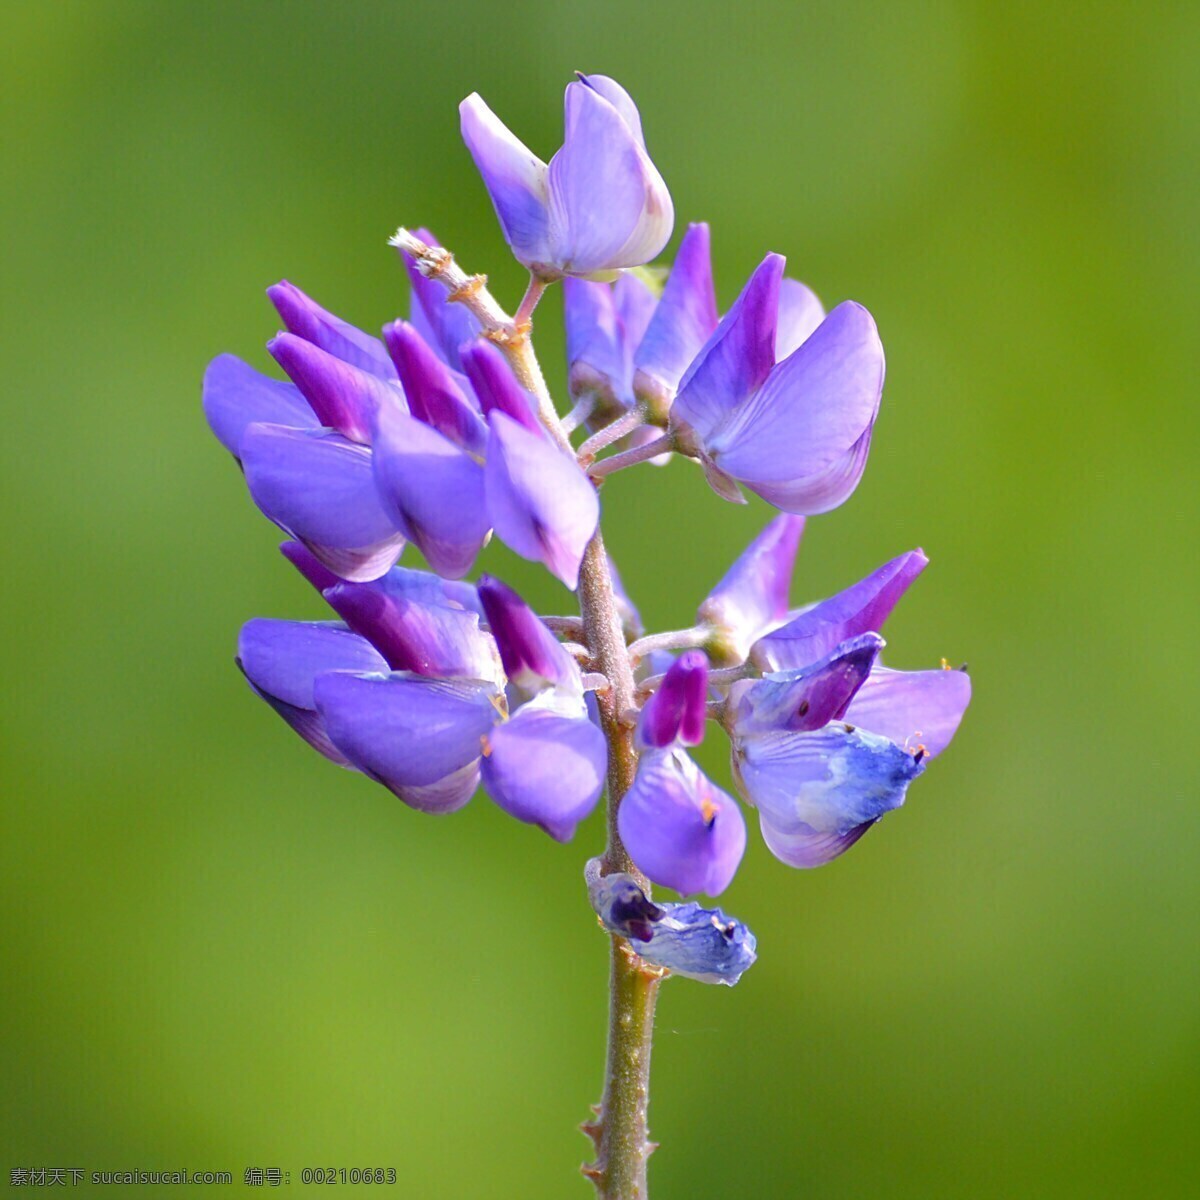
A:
{"x":435,"y":433}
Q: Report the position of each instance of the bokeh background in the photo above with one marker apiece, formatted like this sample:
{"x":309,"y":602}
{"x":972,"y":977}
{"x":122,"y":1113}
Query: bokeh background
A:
{"x":218,"y":951}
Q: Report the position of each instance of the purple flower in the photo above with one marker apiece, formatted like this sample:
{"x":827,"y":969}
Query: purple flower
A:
{"x":599,"y":206}
{"x":675,"y":714}
{"x":796,"y":432}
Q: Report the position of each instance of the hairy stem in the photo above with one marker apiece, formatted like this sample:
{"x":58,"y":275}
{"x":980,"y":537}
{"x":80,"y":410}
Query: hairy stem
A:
{"x":612,"y":432}
{"x":673,"y":639}
{"x":630,"y":458}
{"x":622,"y":1146}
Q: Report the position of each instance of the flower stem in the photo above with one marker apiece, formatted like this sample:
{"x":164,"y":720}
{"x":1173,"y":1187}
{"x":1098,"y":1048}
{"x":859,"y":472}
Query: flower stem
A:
{"x":619,"y":1132}
{"x":673,"y":639}
{"x":630,"y":458}
{"x":611,"y":433}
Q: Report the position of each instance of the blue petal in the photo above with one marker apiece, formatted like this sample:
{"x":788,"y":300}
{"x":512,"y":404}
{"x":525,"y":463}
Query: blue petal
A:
{"x":237,"y":396}
{"x":304,"y":317}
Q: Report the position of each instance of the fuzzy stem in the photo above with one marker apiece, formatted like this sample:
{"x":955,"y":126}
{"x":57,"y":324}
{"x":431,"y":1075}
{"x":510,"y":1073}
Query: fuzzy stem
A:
{"x":630,"y":458}
{"x":622,"y":1146}
{"x":583,"y":409}
{"x":613,"y":432}
{"x":674,"y":639}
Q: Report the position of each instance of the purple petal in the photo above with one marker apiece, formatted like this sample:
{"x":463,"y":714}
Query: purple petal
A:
{"x":311,"y":567}
{"x":809,"y":697}
{"x":800,"y":312}
{"x":812,"y":409}
{"x":345,"y":398}
{"x":635,"y":305}
{"x":817,"y":792}
{"x":681,"y":829}
{"x":619,"y":98}
{"x":683,"y":322}
{"x":307,"y":319}
{"x":237,"y":396}
{"x":736,"y":360}
{"x":318,"y":487}
{"x":406,"y":731}
{"x":597,"y":354}
{"x":677,"y":711}
{"x":446,"y":325}
{"x":918,"y":710}
{"x":280,"y":659}
{"x":862,"y":608}
{"x":826,"y":490}
{"x":546,"y":769}
{"x":433,"y":395}
{"x":532,"y":656}
{"x":631,"y":619}
{"x":609,"y":207}
{"x":433,"y":491}
{"x":496,"y":386}
{"x":514,"y":177}
{"x":753,"y":595}
{"x":427,"y":639}
{"x":541,"y":504}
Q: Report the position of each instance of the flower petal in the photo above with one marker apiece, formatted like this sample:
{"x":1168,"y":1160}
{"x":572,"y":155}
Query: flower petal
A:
{"x":546,"y":769}
{"x":619,"y":98}
{"x":311,"y":567}
{"x":609,"y":207}
{"x":800,"y":312}
{"x":445,"y":325}
{"x":532,"y":656}
{"x":318,"y":486}
{"x":344,"y":398}
{"x":404,"y":730}
{"x":236,"y":396}
{"x":826,"y":490}
{"x":680,"y":828}
{"x":540,"y":502}
{"x":496,"y":386}
{"x":916,"y":709}
{"x":683,"y":322}
{"x":753,"y":595}
{"x":515,"y":179}
{"x":433,"y":491}
{"x":736,"y":360}
{"x":862,"y":608}
{"x":814,"y":406}
{"x":280,"y":659}
{"x":817,"y":792}
{"x":678,"y":710}
{"x":705,"y":944}
{"x":304,"y":317}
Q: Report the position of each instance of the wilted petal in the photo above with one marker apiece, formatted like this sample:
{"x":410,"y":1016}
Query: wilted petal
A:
{"x":683,"y":322}
{"x":344,"y":397}
{"x":609,"y":207}
{"x":446,"y":325}
{"x":515,"y":179}
{"x":546,"y":768}
{"x":753,"y":595}
{"x":824,"y":491}
{"x":812,"y":409}
{"x":677,"y":711}
{"x":800,"y":312}
{"x":433,"y":394}
{"x":433,"y":491}
{"x":736,"y":360}
{"x":918,"y":710}
{"x":540,"y":502}
{"x":705,"y":944}
{"x":532,"y":656}
{"x":817,"y":792}
{"x":318,"y":487}
{"x":280,"y":659}
{"x":679,"y":827}
{"x":304,"y":317}
{"x":237,"y":396}
{"x":496,"y":387}
{"x":818,"y":630}
{"x":808,"y":697}
{"x":621,"y":905}
{"x":406,"y":731}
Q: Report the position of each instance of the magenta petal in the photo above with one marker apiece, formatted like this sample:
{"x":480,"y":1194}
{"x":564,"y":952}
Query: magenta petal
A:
{"x":753,"y":595}
{"x":812,"y":408}
{"x":683,"y":322}
{"x":515,"y":179}
{"x":533,"y":658}
{"x":609,"y":207}
{"x":676,"y":713}
{"x":496,"y":386}
{"x":800,"y":312}
{"x":237,"y":396}
{"x":736,"y":360}
{"x":862,"y":608}
{"x":433,"y":491}
{"x":541,"y":503}
{"x":318,"y":486}
{"x":681,"y":829}
{"x":403,"y":730}
{"x":916,"y":709}
{"x":345,"y":398}
{"x":280,"y":659}
{"x":304,"y":317}
{"x":546,"y":769}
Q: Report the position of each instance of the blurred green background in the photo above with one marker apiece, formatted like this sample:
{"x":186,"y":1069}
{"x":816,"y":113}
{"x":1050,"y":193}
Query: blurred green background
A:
{"x":220,"y":952}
